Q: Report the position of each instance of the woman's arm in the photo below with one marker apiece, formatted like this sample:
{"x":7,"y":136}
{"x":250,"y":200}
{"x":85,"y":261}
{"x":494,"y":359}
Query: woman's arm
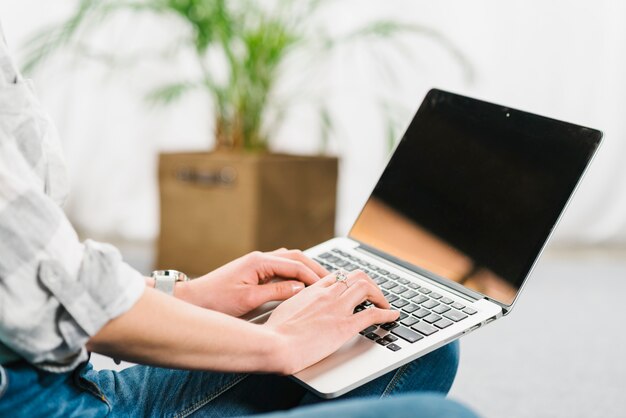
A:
{"x":164,"y":331}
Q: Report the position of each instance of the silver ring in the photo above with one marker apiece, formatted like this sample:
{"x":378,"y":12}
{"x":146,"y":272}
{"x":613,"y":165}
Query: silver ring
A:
{"x":341,"y":277}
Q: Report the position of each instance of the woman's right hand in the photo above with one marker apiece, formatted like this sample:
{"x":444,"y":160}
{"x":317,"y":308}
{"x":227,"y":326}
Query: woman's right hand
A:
{"x":319,"y":320}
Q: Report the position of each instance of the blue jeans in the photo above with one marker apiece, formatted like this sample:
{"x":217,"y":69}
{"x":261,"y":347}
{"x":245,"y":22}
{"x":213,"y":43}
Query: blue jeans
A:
{"x":152,"y":391}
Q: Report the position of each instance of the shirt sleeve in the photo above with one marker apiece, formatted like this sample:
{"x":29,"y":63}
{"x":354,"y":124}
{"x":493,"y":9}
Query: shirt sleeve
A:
{"x":55,"y":292}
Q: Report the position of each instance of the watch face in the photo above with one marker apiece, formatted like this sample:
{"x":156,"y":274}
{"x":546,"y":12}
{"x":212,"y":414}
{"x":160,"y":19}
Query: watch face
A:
{"x":165,"y":283}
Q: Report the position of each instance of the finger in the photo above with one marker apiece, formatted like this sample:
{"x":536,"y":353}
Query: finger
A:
{"x":357,"y":275}
{"x":329,"y":279}
{"x":362,"y":274}
{"x":371,"y":316}
{"x":276,"y":291}
{"x":361,"y":290}
{"x":353,"y":276}
{"x":284,"y":267}
{"x":298,"y":255}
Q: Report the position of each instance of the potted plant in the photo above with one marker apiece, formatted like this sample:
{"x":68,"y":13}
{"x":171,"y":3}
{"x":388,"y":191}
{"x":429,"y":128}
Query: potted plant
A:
{"x":240,"y":196}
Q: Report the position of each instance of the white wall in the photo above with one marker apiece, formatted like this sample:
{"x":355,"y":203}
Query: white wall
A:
{"x":564,"y":59}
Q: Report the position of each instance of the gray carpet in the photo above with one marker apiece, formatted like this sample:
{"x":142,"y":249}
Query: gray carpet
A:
{"x":560,"y":353}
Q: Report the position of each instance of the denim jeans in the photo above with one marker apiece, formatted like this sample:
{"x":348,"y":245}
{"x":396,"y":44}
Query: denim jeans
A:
{"x":152,"y":391}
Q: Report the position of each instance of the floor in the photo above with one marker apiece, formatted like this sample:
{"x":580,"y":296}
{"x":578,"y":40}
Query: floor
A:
{"x":560,"y":353}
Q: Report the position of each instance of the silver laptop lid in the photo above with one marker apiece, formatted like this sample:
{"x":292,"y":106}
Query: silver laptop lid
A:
{"x":473,"y":191}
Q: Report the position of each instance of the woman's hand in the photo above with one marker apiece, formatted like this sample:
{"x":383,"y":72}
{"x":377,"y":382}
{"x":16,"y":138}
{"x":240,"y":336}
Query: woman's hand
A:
{"x":248,"y":282}
{"x":320,"y":319}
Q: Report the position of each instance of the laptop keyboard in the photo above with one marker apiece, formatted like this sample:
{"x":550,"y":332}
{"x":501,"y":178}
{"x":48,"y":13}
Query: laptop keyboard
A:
{"x":423,"y":312}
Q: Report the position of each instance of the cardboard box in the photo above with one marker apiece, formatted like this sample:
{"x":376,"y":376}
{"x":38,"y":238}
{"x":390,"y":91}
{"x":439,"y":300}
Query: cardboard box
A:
{"x":218,"y":206}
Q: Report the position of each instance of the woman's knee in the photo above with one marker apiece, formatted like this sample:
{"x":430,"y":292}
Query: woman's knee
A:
{"x":434,"y":372}
{"x":445,"y":360}
{"x":448,"y":355}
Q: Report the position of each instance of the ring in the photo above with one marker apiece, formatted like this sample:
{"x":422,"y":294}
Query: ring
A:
{"x":341,"y":277}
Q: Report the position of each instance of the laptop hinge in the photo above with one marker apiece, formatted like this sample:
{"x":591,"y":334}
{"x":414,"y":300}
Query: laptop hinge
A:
{"x":448,"y":284}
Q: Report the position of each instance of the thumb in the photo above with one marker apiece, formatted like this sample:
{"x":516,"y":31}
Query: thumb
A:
{"x":278,"y":290}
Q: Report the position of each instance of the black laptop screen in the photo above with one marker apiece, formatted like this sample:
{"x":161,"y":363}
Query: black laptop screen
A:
{"x":473,"y":191}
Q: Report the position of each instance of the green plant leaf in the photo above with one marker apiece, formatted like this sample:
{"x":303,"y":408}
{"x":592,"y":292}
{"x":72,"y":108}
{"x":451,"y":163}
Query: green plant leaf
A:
{"x":170,"y":93}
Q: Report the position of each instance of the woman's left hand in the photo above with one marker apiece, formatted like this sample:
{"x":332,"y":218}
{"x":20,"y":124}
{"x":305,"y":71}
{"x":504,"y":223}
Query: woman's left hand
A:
{"x":249,"y":281}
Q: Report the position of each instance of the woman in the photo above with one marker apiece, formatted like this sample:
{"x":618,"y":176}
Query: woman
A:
{"x":61,"y":299}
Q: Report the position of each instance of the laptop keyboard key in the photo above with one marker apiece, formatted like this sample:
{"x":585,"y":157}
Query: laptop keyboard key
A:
{"x":389,"y":285}
{"x":413,"y":285}
{"x":369,"y":329}
{"x":424,"y":328}
{"x":419,"y":299}
{"x":443,"y":323}
{"x":389,"y":325}
{"x":399,"y":303}
{"x":394,"y":347}
{"x":469,"y":311}
{"x":400,"y":289}
{"x":391,"y":338}
{"x":393,"y":276}
{"x":350,"y":267}
{"x":410,"y":308}
{"x":422,"y":313}
{"x":425,"y":291}
{"x":391,"y":298}
{"x":407,"y":334}
{"x":456,"y":316}
{"x":382,"y":341}
{"x":379,"y":280}
{"x":372,"y":336}
{"x":430,"y":304}
{"x":402,"y":316}
{"x":403,"y":281}
{"x":409,"y":294}
{"x":447,"y":301}
{"x":435,"y":295}
{"x":441,"y":309}
{"x":409,"y":321}
{"x":457,"y":305}
{"x":432,"y":318}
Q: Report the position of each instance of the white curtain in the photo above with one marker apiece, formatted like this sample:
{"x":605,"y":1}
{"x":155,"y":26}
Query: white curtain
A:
{"x":565,"y":59}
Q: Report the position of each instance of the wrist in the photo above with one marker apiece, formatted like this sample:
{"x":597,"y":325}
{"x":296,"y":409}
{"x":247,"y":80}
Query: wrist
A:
{"x":184,"y":291}
{"x":280,"y":356}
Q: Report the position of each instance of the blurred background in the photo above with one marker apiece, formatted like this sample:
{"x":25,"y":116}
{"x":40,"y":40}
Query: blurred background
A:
{"x":561,"y":353}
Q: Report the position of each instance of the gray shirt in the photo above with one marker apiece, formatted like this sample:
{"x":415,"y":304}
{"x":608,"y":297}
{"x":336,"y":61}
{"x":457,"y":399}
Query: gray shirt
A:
{"x":55,"y":291}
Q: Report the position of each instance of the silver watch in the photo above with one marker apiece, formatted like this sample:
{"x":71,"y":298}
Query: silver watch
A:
{"x":164,"y":280}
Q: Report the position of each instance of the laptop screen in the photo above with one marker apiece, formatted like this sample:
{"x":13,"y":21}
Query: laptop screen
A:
{"x":473,"y":191}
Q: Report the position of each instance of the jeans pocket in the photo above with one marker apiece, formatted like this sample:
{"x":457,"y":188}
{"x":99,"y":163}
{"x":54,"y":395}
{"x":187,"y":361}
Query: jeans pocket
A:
{"x":85,"y":380}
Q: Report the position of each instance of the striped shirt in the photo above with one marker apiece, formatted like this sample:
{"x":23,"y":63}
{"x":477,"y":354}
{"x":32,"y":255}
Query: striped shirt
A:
{"x":55,"y":292}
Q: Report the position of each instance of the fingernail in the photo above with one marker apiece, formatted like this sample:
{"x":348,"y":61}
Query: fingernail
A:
{"x":297,"y":287}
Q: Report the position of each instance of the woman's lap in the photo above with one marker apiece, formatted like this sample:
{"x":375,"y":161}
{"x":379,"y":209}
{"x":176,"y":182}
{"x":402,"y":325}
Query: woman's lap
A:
{"x":208,"y":394}
{"x":153,"y":391}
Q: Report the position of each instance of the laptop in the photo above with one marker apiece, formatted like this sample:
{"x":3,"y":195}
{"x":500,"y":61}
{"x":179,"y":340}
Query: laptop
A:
{"x":452,"y":229}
